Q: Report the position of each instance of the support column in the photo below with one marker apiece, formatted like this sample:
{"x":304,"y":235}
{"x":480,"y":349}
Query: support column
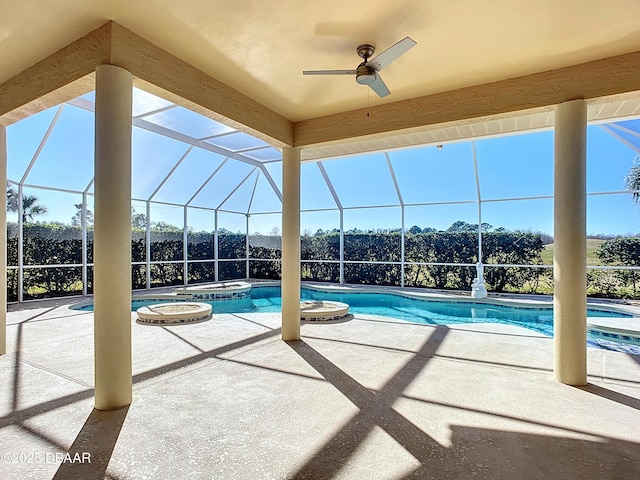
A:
{"x":570,"y":251}
{"x":290,"y":243}
{"x":112,"y":238}
{"x":3,"y":245}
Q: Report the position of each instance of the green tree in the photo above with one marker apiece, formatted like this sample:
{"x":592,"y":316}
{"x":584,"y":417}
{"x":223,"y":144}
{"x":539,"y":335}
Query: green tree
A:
{"x":12,"y":199}
{"x":632,"y":180}
{"x":138,"y":220}
{"x":461,"y":226}
{"x":164,"y":227}
{"x":622,"y":251}
{"x":76,"y":220}
{"x":31,"y":208}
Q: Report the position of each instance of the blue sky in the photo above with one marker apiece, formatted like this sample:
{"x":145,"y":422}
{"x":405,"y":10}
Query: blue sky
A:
{"x":509,"y":167}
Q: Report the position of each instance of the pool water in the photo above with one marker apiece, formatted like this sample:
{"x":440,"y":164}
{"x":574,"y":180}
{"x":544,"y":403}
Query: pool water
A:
{"x":265,"y":299}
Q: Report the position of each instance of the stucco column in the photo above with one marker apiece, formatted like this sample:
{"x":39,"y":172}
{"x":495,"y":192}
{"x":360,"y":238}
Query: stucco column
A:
{"x":570,"y":244}
{"x":112,"y":238}
{"x":3,"y":245}
{"x":290,"y":243}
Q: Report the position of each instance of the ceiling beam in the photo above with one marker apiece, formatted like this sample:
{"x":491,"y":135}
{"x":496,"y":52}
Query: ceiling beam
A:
{"x":68,"y":73}
{"x":177,"y":81}
{"x":609,"y":76}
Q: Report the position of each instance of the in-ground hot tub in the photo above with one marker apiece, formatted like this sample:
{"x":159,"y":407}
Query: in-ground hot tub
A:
{"x":174,"y":313}
{"x":322,"y":310}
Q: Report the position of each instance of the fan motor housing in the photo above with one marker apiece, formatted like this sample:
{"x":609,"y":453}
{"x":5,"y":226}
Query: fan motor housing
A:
{"x":365,"y":51}
{"x":365,"y":75}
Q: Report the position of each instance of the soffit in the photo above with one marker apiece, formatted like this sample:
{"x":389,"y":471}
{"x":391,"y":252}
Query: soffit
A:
{"x":600,"y":110}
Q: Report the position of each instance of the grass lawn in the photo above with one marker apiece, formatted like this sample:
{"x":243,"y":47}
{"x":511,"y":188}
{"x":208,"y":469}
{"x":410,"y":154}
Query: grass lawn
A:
{"x":592,"y":247}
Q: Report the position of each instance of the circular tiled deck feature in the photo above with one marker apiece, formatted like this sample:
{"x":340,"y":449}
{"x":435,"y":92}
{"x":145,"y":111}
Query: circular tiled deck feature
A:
{"x":322,"y":310}
{"x":174,"y":313}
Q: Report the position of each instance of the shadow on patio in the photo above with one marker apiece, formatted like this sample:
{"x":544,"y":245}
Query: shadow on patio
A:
{"x":358,"y":399}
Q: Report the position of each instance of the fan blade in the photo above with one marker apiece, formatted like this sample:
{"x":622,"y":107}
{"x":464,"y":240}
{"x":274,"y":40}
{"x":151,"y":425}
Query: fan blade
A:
{"x":329,"y":72}
{"x":391,"y":53}
{"x":379,"y":87}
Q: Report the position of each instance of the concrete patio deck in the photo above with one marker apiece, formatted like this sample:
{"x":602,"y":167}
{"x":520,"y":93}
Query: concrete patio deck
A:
{"x":365,"y":398}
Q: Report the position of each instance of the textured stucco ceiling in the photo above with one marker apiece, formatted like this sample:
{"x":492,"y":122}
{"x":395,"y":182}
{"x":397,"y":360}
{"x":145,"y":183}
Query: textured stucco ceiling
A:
{"x":260,"y":47}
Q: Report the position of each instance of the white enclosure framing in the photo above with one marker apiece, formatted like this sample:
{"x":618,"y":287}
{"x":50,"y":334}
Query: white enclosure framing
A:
{"x":206,"y":166}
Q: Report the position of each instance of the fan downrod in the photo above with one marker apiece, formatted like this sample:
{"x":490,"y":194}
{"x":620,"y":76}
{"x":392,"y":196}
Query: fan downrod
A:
{"x":365,"y":51}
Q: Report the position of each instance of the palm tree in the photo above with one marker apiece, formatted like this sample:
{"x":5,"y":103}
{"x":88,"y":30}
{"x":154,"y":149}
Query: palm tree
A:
{"x":632,"y":180}
{"x":31,"y":208}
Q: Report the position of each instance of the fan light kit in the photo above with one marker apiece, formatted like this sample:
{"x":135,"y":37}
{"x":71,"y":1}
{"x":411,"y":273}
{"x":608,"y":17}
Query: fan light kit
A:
{"x":367,"y":72}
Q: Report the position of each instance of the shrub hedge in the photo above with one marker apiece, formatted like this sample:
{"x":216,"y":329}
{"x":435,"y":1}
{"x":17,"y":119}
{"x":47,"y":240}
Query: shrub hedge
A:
{"x":55,"y":244}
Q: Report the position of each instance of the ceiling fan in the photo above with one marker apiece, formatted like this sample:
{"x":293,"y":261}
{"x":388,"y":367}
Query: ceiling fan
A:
{"x":367,"y":72}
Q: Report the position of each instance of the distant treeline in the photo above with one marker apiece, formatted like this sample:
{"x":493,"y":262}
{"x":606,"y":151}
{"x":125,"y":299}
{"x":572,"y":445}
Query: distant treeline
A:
{"x":62,"y":245}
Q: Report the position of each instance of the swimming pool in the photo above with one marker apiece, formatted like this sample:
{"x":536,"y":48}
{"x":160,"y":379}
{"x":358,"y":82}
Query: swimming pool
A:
{"x":265,"y":299}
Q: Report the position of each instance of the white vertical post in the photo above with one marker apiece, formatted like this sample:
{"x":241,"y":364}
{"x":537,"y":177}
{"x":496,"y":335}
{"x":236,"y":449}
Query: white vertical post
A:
{"x":147,"y":242}
{"x":479,"y":288}
{"x":83,"y":223}
{"x":3,"y":245}
{"x":479,"y":197}
{"x":20,"y":244}
{"x":290,"y":243}
{"x":23,"y":180}
{"x":216,"y":237}
{"x":401,"y":201}
{"x":341,"y":246}
{"x":185,"y":246}
{"x":402,"y":247}
{"x":246,"y":245}
{"x":570,"y":251}
{"x":112,"y":242}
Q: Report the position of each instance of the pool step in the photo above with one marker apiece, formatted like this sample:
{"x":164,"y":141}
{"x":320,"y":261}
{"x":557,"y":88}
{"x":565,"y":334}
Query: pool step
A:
{"x":627,"y":329}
